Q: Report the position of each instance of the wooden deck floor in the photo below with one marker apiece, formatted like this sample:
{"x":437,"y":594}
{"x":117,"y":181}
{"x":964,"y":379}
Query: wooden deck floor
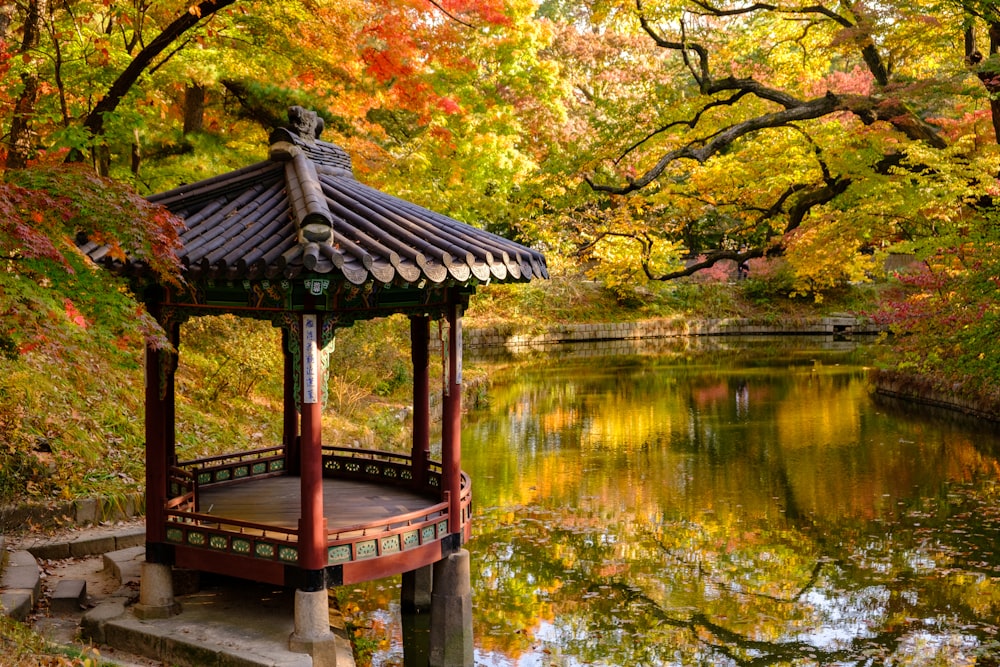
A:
{"x":276,"y":501}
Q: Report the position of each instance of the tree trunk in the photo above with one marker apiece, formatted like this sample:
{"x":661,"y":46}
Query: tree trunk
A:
{"x":94,"y":122}
{"x":194,"y":108}
{"x":994,"y":86}
{"x":136,"y":152}
{"x":20,"y":127}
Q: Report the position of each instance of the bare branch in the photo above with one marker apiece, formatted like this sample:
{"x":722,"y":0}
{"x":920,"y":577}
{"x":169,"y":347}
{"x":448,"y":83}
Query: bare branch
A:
{"x":868,"y":109}
{"x":450,"y":15}
{"x":692,"y":123}
{"x":701,"y":75}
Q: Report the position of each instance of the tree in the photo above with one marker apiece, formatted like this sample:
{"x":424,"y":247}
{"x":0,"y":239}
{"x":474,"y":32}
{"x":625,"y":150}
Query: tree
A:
{"x":82,"y":37}
{"x":812,"y":131}
{"x":49,"y":294}
{"x":157,"y":94}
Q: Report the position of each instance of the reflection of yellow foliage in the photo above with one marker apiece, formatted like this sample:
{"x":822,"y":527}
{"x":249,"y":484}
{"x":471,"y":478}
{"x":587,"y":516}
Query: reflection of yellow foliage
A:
{"x":980,"y":592}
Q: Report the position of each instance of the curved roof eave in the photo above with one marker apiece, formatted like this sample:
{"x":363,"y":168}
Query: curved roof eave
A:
{"x":302,"y":211}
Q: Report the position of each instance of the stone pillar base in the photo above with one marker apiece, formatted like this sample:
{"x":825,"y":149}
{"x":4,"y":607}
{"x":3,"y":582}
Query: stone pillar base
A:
{"x":156,"y":592}
{"x":312,"y":633}
{"x":451,"y":613}
{"x":415,"y":595}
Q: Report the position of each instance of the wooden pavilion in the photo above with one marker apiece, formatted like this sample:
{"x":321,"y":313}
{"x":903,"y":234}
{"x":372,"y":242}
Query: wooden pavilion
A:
{"x":297,"y":241}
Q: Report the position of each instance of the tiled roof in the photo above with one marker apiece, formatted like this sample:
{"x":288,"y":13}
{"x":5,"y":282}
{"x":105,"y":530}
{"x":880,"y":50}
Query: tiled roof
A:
{"x":302,"y":212}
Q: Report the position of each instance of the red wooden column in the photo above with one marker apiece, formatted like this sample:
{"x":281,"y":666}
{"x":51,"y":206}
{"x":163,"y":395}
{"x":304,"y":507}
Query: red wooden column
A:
{"x":290,"y":411}
{"x":156,"y":456}
{"x":451,"y":417}
{"x":160,"y":442}
{"x":451,"y":641}
{"x":312,"y":523}
{"x":312,"y":632}
{"x":416,"y":585}
{"x":170,"y":454}
{"x":419,"y":342}
{"x":156,"y":589}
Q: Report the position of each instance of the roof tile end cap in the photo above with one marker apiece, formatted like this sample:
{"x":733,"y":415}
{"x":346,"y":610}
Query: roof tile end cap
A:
{"x":283,"y":151}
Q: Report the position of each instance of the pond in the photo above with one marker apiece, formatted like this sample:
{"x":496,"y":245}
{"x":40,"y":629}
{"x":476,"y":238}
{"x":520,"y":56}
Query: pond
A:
{"x":725,"y":502}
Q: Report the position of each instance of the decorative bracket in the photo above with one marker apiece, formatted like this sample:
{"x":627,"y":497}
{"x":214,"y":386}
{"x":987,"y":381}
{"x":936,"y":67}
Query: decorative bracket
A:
{"x":311,"y":340}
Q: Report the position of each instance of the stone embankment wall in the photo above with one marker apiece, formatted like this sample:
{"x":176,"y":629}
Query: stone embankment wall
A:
{"x":911,"y":389}
{"x":660,"y":328}
{"x":86,"y":511}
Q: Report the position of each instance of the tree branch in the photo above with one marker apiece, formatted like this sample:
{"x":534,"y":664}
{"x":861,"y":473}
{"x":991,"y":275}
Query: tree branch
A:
{"x":711,"y":10}
{"x":691,"y":123}
{"x":869,"y":52}
{"x":702,"y":75}
{"x":707,"y":263}
{"x":94,"y":122}
{"x":795,"y":202}
{"x":450,"y":15}
{"x":830,"y":190}
{"x":701,"y":152}
{"x":868,"y":109}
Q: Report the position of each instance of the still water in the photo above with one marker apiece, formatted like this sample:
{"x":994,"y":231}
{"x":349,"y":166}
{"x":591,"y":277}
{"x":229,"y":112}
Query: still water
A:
{"x":731,"y":503}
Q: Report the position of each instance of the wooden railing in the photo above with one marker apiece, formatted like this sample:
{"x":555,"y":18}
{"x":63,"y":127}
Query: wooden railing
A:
{"x":389,"y":536}
{"x":228,"y":468}
{"x":373,"y":465}
{"x":183,"y":490}
{"x":241,"y":538}
{"x":392,"y":535}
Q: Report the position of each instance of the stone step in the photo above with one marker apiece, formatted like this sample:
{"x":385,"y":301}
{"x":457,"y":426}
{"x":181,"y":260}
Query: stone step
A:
{"x":125,"y":564}
{"x":69,"y":596}
{"x":93,"y":542}
{"x":20,"y":585}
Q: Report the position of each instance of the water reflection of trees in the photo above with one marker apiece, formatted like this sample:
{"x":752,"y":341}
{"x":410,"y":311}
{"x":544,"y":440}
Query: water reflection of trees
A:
{"x":723,"y":512}
{"x":685,"y":593}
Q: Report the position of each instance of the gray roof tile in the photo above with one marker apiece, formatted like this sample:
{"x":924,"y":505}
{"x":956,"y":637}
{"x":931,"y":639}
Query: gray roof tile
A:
{"x":302,"y":211}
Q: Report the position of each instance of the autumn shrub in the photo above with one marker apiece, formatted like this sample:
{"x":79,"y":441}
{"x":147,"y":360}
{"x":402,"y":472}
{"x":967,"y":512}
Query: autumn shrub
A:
{"x":946,"y":319}
{"x":701,"y":300}
{"x":229,"y":385}
{"x":567,"y":296}
{"x":768,"y":281}
{"x":375,"y":355}
{"x":721,"y":272}
{"x":234,"y":355}
{"x":22,"y":646}
{"x":344,"y":396}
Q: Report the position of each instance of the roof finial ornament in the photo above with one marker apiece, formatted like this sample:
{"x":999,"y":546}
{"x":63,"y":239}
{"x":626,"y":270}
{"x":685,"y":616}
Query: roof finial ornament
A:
{"x":295,"y":146}
{"x":305,"y":122}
